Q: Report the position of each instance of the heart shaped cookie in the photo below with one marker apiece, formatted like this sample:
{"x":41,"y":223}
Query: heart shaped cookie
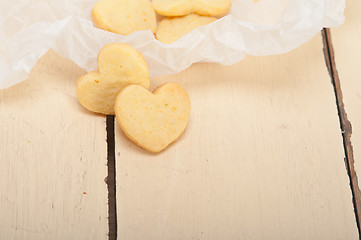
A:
{"x":171,"y":29}
{"x":153,"y":121}
{"x":185,"y":7}
{"x":124,"y":16}
{"x":119,"y":65}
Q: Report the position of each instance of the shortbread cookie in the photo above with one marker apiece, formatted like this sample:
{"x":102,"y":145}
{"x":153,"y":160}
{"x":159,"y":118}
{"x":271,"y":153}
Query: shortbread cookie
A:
{"x":119,"y":65}
{"x":153,"y":121}
{"x":124,"y":16}
{"x":171,"y":29}
{"x":185,"y":7}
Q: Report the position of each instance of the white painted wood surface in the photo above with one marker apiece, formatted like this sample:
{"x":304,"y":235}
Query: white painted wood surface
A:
{"x":52,"y":159}
{"x":262,"y":158}
{"x":346,"y":43}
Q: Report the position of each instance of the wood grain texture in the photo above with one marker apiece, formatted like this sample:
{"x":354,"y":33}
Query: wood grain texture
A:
{"x":347,"y":64}
{"x":262,"y":158}
{"x":53,"y":158}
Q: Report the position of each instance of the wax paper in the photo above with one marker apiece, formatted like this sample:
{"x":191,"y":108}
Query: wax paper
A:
{"x":29,"y":28}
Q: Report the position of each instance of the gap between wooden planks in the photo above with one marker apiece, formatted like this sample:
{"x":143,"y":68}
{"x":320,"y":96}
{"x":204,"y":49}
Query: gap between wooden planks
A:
{"x":346,"y":59}
{"x":112,"y":201}
{"x":345,"y":124}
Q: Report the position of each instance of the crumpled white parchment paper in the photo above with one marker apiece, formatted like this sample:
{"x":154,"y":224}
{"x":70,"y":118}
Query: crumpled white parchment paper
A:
{"x":29,"y":28}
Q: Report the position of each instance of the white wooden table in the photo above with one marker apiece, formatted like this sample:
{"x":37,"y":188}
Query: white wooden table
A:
{"x":272,"y":151}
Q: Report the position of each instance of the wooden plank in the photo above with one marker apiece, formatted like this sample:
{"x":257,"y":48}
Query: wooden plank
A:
{"x":262,"y":158}
{"x":347,"y":72}
{"x":53,"y":158}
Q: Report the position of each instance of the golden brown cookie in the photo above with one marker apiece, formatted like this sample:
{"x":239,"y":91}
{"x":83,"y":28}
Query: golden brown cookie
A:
{"x":119,"y":65}
{"x":153,"y":121}
{"x":185,"y":7}
{"x":171,"y":29}
{"x":124,"y":16}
